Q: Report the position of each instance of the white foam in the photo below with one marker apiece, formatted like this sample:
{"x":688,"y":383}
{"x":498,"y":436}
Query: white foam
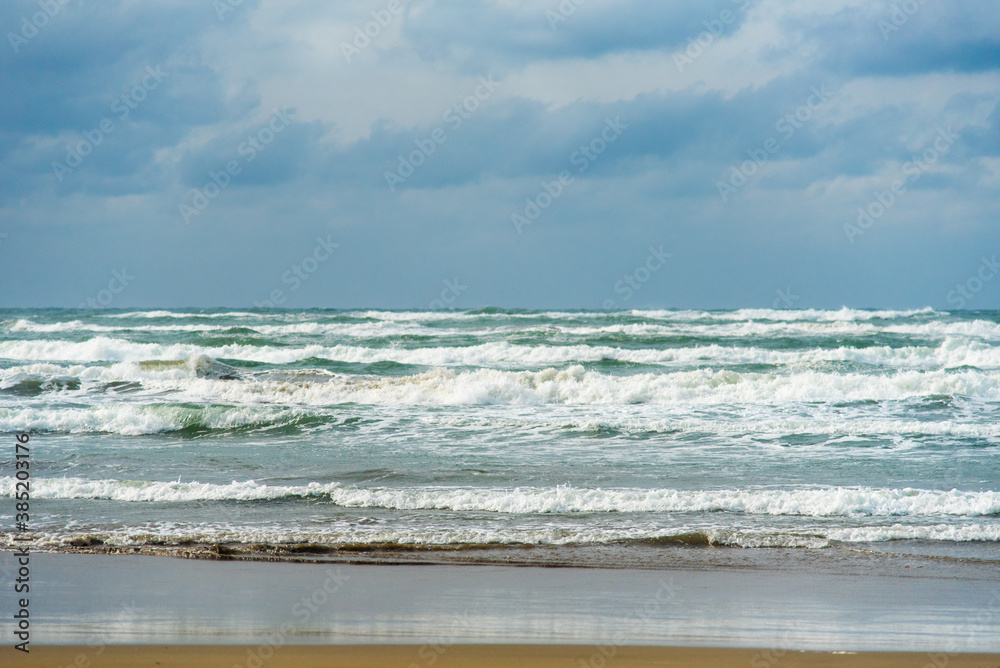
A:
{"x":943,"y":532}
{"x":350,"y":330}
{"x":570,"y":385}
{"x":133,"y":419}
{"x":824,"y":502}
{"x":761,"y":426}
{"x":181,"y":314}
{"x":160,"y":534}
{"x":167,"y":534}
{"x":732,"y":324}
{"x":144,"y":418}
{"x":155,"y":406}
{"x":841,"y":314}
{"x":950,"y":353}
{"x":575,"y":386}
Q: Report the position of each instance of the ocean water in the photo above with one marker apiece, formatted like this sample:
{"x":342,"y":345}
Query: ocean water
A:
{"x":321,"y":431}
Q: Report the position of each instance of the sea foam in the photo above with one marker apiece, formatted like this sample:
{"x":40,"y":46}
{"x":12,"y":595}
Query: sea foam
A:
{"x":823,"y":502}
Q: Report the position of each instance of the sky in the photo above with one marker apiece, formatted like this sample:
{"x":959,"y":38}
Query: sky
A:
{"x":458,"y":154}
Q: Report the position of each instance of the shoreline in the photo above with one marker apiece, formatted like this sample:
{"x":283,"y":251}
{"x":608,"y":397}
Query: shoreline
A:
{"x":489,"y":656}
{"x":887,"y":558}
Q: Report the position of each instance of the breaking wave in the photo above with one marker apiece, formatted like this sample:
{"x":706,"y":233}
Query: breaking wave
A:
{"x":830,"y":502}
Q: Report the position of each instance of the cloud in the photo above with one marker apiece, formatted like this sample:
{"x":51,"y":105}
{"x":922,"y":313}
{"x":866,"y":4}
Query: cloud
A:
{"x":511,"y":34}
{"x":900,"y":38}
{"x":751,"y":70}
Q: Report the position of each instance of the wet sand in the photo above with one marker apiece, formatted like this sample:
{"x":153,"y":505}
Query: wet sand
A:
{"x":782,"y":600}
{"x":486,"y":656}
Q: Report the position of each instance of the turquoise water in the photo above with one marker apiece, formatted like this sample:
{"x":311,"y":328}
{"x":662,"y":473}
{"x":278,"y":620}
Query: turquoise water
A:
{"x":266,"y":431}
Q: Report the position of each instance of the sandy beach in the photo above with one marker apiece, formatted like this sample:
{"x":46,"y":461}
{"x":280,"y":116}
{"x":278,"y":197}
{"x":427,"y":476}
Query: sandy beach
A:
{"x":735,"y":605}
{"x":488,"y":656}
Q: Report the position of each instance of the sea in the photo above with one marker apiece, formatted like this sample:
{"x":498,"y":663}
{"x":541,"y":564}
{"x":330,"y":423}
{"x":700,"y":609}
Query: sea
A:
{"x":569,"y":437}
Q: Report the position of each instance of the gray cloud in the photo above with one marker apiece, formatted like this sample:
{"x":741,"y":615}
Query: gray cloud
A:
{"x":657,"y":182}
